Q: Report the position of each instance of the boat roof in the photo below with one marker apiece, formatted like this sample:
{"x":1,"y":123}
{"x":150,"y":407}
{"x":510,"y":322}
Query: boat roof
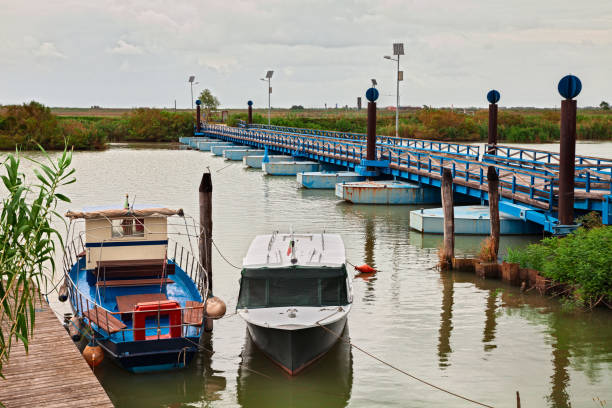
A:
{"x":113,"y":211}
{"x":319,"y":250}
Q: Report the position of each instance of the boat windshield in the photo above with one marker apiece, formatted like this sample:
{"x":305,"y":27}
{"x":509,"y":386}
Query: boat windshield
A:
{"x":288,"y":288}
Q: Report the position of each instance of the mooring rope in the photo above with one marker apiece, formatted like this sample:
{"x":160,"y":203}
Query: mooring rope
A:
{"x":223,"y":256}
{"x":402,"y":371}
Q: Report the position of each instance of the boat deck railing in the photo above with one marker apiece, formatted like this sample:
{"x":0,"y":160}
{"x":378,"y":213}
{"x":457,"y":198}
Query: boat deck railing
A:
{"x":110,"y":322}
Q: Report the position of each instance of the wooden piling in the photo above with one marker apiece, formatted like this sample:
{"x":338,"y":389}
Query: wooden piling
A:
{"x":567,"y":162}
{"x":250,"y":117}
{"x":492,"y":135}
{"x":493,"y":183}
{"x":205,"y":242}
{"x":448,"y":251}
{"x":198,"y":120}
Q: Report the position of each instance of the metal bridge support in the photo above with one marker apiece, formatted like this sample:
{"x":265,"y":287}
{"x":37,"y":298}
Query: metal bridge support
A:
{"x":567,"y":160}
{"x":493,"y":98}
{"x":198,"y":122}
{"x":371,"y":135}
{"x":569,"y":87}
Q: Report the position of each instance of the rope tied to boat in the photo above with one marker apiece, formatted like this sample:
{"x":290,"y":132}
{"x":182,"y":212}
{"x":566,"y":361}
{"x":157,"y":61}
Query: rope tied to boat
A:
{"x":397,"y":368}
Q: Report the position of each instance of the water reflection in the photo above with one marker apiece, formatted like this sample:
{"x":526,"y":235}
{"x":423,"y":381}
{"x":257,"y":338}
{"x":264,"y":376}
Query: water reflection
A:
{"x":578,"y":341}
{"x":198,"y":382}
{"x":490,"y":322}
{"x":260,"y":383}
{"x":446,"y":322}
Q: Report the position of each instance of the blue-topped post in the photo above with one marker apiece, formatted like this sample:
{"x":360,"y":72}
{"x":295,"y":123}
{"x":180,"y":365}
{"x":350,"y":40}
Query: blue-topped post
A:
{"x":569,"y":87}
{"x":371,"y":96}
{"x":198,"y":122}
{"x":493,"y":98}
{"x":250,"y":117}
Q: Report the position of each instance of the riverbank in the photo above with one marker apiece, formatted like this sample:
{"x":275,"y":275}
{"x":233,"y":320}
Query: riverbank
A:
{"x":91,"y":129}
{"x":33,"y":124}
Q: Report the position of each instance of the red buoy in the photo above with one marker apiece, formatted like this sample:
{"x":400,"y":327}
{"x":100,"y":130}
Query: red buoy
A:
{"x":365,"y":268}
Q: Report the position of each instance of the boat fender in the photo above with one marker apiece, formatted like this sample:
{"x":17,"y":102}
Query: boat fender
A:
{"x":74,"y":328}
{"x":62,"y":293}
{"x":93,"y":355}
{"x":365,"y":268}
{"x":215,"y":308}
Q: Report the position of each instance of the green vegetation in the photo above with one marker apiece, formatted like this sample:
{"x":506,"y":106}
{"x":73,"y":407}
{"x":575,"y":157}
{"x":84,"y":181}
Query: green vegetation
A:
{"x":209,"y":101}
{"x":515,"y":125}
{"x":29,"y":125}
{"x":581,"y":260}
{"x":33,"y":124}
{"x":27,"y":241}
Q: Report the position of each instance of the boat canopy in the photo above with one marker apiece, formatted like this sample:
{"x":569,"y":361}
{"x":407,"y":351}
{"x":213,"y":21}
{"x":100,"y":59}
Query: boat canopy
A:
{"x":293,"y":286}
{"x":282,"y":250}
{"x":123,"y":213}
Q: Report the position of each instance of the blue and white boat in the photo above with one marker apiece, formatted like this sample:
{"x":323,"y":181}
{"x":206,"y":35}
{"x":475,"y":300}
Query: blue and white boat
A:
{"x":138,"y":295}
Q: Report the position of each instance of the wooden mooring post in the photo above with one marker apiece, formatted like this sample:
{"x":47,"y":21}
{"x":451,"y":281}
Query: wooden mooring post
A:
{"x":205,"y":242}
{"x":250,"y":117}
{"x":448,"y":250}
{"x":493,"y":183}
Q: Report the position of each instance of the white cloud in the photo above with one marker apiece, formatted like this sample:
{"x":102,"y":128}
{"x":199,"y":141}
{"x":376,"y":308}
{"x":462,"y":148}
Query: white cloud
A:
{"x":48,"y":49}
{"x":125,"y":48}
{"x":324,"y":52}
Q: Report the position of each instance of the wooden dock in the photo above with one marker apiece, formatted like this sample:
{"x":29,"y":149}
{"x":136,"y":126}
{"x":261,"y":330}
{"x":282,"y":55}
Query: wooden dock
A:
{"x":53,"y":373}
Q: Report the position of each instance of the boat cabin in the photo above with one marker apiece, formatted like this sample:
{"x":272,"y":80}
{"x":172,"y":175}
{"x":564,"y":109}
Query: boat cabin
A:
{"x":294,"y":270}
{"x":126,"y":243}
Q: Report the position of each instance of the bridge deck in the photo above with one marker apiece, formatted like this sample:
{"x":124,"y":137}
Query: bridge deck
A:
{"x":528,"y":177}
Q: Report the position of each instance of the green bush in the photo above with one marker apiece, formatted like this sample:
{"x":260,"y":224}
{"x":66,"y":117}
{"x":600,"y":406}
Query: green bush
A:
{"x":582,"y":259}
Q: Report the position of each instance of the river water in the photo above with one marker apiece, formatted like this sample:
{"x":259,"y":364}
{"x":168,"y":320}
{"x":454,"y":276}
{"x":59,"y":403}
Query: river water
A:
{"x":482,"y":339}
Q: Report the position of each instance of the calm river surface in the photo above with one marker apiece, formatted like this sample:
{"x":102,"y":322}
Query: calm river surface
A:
{"x":456,"y":331}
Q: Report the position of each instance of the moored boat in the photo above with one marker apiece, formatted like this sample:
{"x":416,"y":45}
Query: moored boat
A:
{"x":295,"y":296}
{"x":141,"y":296}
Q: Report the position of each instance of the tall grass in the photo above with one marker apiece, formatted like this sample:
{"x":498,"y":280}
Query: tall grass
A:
{"x":27,"y":243}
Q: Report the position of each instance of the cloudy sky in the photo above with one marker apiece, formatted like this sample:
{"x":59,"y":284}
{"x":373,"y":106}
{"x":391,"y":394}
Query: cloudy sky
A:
{"x":139,"y":53}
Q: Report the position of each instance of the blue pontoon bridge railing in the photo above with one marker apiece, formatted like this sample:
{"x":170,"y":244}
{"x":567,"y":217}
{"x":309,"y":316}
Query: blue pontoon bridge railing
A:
{"x":456,"y":148}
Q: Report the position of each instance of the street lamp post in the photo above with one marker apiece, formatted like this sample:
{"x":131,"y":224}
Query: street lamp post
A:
{"x":191,"y":83}
{"x":268,"y":77}
{"x":398,"y":49}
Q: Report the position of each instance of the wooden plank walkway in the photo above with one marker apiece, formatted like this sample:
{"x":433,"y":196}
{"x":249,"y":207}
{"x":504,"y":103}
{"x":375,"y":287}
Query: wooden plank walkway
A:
{"x":53,"y":373}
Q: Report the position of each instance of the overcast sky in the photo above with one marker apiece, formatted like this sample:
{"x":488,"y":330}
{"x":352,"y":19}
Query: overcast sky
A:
{"x":139,"y":53}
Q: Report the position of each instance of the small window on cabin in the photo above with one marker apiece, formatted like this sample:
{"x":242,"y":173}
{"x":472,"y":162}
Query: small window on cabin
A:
{"x":127,"y":227}
{"x":256,"y":292}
